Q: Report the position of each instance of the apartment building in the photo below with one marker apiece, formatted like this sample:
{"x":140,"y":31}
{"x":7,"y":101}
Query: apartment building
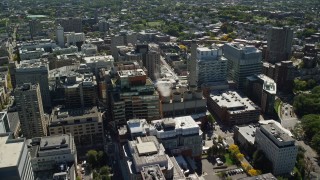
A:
{"x":30,"y":110}
{"x":35,"y":71}
{"x":279,"y":44}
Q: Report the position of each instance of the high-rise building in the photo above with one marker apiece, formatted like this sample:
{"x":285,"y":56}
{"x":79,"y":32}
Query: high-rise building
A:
{"x":152,"y":64}
{"x":34,"y":25}
{"x":70,"y":24}
{"x":15,"y":159}
{"x":262,"y":90}
{"x":78,"y":90}
{"x":192,"y":65}
{"x":211,"y":65}
{"x":279,"y":44}
{"x":132,"y":95}
{"x":243,"y":61}
{"x":35,"y":71}
{"x":278,"y":147}
{"x":60,"y":36}
{"x":30,"y":110}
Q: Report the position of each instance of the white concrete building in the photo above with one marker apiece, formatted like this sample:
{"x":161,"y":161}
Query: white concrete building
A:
{"x":14,"y":159}
{"x":211,"y":65}
{"x":89,"y":49}
{"x":60,"y":36}
{"x":30,"y":53}
{"x":49,"y":152}
{"x":73,"y":38}
{"x":180,"y":135}
{"x":278,"y":146}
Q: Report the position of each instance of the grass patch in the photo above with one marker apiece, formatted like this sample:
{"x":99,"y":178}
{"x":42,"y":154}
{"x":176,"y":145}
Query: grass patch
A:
{"x":229,"y":161}
{"x":277,"y":105}
{"x":154,"y":23}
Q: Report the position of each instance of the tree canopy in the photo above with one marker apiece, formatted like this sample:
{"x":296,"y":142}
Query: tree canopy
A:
{"x":308,"y":103}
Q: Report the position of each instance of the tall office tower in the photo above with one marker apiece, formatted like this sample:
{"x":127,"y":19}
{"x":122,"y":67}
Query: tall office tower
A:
{"x":60,"y":36}
{"x":103,"y":26}
{"x":279,"y":44}
{"x":243,"y":61}
{"x":30,"y":110}
{"x":14,"y":158}
{"x":34,"y":27}
{"x":34,"y":71}
{"x":193,"y":75}
{"x":70,"y":24}
{"x":278,"y":147}
{"x":122,"y":39}
{"x":152,"y":63}
{"x":211,"y":65}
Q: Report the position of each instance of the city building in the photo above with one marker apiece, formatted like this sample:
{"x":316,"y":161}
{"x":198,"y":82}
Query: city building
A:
{"x":70,"y":24}
{"x":279,"y":44}
{"x":89,"y":49}
{"x":278,"y":146}
{"x":233,"y":108}
{"x":4,"y":123}
{"x":122,"y":39}
{"x":30,"y":53}
{"x":15,"y":159}
{"x":95,"y":63}
{"x":34,"y":26}
{"x":192,"y":65}
{"x":179,"y":135}
{"x":132,"y":95}
{"x":243,"y":61}
{"x":179,"y":102}
{"x":244,"y":137}
{"x":152,"y":64}
{"x":60,"y":36}
{"x":48,"y":153}
{"x":267,"y":176}
{"x":35,"y":71}
{"x":262,"y":90}
{"x":75,"y":39}
{"x":75,"y":89}
{"x":14,"y":124}
{"x":30,"y":110}
{"x":282,"y":73}
{"x":84,"y":124}
{"x":68,"y":50}
{"x":145,"y":157}
{"x":211,"y":65}
{"x":103,"y":25}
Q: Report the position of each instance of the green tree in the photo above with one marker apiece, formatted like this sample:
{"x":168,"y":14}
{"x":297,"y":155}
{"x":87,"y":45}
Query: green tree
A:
{"x":92,"y":158}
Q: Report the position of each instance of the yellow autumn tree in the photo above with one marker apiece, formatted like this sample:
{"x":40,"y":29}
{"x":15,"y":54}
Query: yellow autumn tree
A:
{"x":234,"y":149}
{"x":246,"y":167}
{"x":240,"y":156}
{"x":253,"y":172}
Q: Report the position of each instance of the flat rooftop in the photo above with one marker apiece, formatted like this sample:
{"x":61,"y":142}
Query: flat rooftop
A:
{"x":277,"y":132}
{"x":233,"y":101}
{"x":248,"y":132}
{"x":54,"y":142}
{"x":146,"y":148}
{"x":9,"y":152}
{"x":60,"y":114}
